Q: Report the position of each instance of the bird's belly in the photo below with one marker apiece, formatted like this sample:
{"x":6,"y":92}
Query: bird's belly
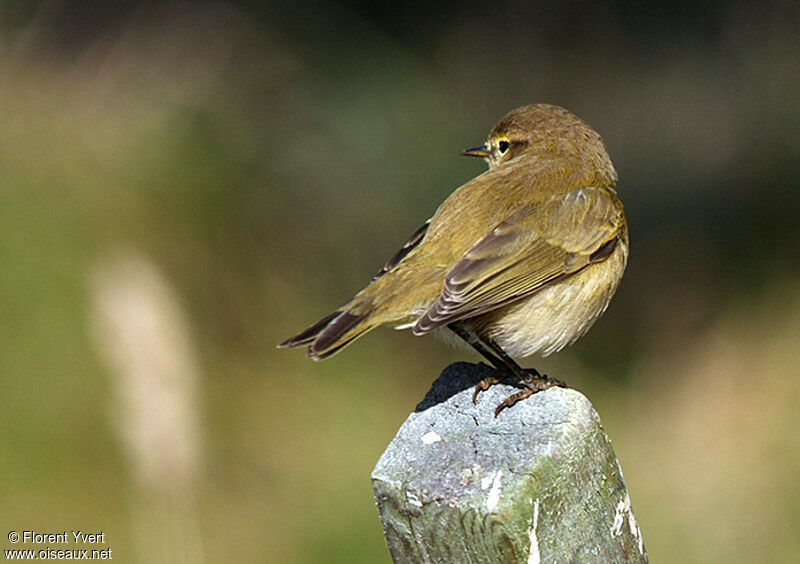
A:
{"x":557,"y":315}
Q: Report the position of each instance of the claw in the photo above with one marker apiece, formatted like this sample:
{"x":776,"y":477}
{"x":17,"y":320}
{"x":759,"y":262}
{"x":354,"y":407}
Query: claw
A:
{"x":512,"y":399}
{"x":533,"y":382}
{"x":484,"y":385}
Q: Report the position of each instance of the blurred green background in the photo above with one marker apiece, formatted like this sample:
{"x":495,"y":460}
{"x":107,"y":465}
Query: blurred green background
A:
{"x":184,"y":185}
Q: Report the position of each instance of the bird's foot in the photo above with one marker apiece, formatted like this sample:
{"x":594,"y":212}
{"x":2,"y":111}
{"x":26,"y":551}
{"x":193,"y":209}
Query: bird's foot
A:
{"x":532,"y":382}
{"x":503,"y":375}
{"x":485,"y":384}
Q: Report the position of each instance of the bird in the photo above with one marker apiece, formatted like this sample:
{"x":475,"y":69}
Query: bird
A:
{"x":520,"y":260}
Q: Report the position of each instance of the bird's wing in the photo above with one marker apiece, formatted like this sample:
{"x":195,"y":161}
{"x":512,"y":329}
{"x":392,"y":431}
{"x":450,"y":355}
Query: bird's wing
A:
{"x":409,"y":246}
{"x":534,"y":247}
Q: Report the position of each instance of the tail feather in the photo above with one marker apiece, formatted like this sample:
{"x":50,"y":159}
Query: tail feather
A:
{"x":343,"y":329}
{"x":308,"y":336}
{"x":346,"y":328}
{"x":330,"y":334}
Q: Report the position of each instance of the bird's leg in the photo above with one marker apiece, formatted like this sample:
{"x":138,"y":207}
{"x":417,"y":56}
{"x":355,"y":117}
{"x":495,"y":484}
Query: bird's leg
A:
{"x":504,"y":364}
{"x":529,"y":379}
{"x":500,"y":363}
{"x":509,"y":363}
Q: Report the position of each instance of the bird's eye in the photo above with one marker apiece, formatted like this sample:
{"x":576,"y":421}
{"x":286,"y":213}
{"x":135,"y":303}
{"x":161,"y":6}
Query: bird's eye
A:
{"x":503,"y":146}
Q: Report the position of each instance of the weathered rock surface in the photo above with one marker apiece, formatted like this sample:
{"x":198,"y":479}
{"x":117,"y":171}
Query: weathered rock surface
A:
{"x":539,"y":483}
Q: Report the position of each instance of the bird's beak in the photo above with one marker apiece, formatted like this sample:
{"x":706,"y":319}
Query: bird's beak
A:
{"x":482,"y":151}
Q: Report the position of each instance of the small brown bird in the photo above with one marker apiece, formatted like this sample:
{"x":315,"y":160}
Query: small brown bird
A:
{"x":520,"y":260}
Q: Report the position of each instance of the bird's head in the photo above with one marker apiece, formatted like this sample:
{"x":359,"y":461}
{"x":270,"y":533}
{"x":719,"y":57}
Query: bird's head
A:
{"x":542,"y":130}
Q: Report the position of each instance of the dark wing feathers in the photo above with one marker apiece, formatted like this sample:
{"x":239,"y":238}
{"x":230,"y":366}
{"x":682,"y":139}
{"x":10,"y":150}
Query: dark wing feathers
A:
{"x":527,"y":251}
{"x":412,"y":242}
{"x":336,"y":330}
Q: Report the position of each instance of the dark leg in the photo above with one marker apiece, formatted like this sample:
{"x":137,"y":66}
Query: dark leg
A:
{"x":490,"y":351}
{"x":509,"y":362}
{"x":530,"y":379}
{"x":503,"y":363}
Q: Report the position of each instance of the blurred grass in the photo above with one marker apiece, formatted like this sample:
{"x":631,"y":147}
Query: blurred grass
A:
{"x":269,"y":159}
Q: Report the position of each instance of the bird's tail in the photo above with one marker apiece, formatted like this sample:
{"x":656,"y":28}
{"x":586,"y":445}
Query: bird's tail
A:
{"x":330,"y":334}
